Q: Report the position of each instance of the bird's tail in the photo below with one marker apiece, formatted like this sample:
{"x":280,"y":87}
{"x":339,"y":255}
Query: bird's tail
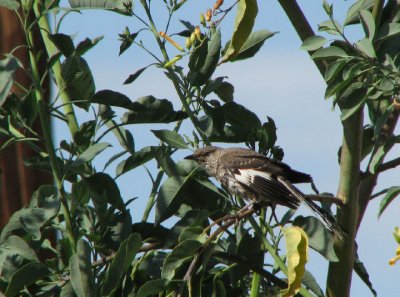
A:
{"x":328,"y":220}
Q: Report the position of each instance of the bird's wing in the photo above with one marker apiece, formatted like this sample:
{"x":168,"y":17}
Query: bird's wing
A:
{"x":266,"y":187}
{"x":249,"y":159}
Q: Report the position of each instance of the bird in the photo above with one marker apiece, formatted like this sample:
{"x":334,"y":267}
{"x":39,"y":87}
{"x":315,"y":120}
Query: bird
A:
{"x":267,"y":182}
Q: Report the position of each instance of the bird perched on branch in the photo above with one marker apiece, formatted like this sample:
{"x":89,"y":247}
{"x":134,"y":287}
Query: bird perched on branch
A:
{"x":253,"y":176}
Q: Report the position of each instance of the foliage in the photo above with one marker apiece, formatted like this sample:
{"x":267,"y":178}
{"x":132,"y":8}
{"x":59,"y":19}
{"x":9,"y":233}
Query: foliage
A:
{"x":83,"y":223}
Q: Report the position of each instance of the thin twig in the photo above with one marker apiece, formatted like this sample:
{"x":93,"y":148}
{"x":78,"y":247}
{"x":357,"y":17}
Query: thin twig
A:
{"x":326,"y":198}
{"x":388,"y":165}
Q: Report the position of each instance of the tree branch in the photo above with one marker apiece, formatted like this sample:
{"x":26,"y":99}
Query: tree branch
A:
{"x":350,"y":160}
{"x":388,"y":165}
{"x":243,"y":262}
{"x":302,"y":27}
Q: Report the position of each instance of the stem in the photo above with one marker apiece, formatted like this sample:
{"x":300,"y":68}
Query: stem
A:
{"x":173,"y":76}
{"x":255,"y":285}
{"x":340,"y":273}
{"x":51,"y":50}
{"x":150,"y":202}
{"x":47,"y":138}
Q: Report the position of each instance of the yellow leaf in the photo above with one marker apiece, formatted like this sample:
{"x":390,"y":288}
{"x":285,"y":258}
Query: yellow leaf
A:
{"x":297,"y":257}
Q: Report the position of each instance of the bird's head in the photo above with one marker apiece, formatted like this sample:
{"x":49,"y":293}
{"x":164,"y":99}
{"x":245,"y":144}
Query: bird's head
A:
{"x":206,"y":157}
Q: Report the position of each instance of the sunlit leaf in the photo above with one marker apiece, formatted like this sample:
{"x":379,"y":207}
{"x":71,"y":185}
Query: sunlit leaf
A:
{"x":246,"y":14}
{"x":297,"y":257}
{"x":313,"y":43}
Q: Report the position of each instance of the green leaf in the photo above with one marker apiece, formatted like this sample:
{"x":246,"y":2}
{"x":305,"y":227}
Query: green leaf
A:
{"x":84,"y":136}
{"x":365,"y":45}
{"x":388,"y":30}
{"x":104,"y":189}
{"x":201,"y":76}
{"x":246,"y":14}
{"x":153,"y":287}
{"x":332,"y":27}
{"x":90,"y":153}
{"x":267,"y":138}
{"x":127,"y":40}
{"x":86,"y":45}
{"x":359,"y":268}
{"x":313,"y":43}
{"x":67,"y":291}
{"x":151,"y":110}
{"x":368,"y":23}
{"x":182,"y":253}
{"x":170,"y":197}
{"x":319,"y":237}
{"x":81,"y":273}
{"x":225,"y":91}
{"x":205,"y":195}
{"x":252,"y":45}
{"x":111,"y":98}
{"x":297,"y":257}
{"x":377,"y":158}
{"x":120,"y":6}
{"x":132,"y":77}
{"x":239,"y":115}
{"x":64,"y":43}
{"x":171,"y":137}
{"x":44,"y":206}
{"x":391,"y":194}
{"x":10,"y":4}
{"x":334,"y":68}
{"x":7,"y":69}
{"x":120,"y":264}
{"x":311,"y":284}
{"x":79,"y":81}
{"x":15,"y":245}
{"x":25,"y":276}
{"x":352,"y":13}
{"x":329,"y":52}
{"x":137,"y":159}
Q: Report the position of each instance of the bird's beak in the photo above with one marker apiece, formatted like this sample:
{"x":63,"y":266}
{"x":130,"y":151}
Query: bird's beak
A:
{"x":190,"y":157}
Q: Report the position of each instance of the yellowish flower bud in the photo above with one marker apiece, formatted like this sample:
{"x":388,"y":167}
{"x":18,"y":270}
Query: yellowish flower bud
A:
{"x":208,"y":15}
{"x":202,"y":19}
{"x":197,"y":32}
{"x":170,"y":40}
{"x":188,"y":43}
{"x":172,"y":61}
{"x":193,"y":37}
{"x":218,"y":4}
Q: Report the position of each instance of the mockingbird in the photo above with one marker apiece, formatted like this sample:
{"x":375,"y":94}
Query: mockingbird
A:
{"x":250,"y":175}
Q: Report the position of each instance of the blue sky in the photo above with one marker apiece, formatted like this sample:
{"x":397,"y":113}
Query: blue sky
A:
{"x":281,"y":82}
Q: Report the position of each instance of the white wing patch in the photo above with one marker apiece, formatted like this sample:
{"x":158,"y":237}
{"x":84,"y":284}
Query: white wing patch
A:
{"x":247,"y":176}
